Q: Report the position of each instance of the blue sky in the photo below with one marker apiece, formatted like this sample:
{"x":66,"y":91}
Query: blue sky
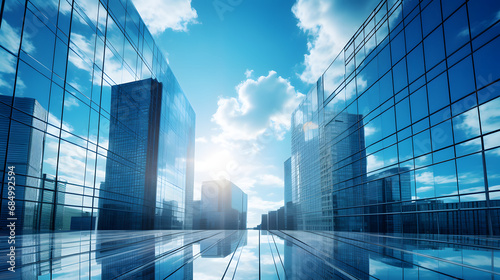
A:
{"x":244,"y":66}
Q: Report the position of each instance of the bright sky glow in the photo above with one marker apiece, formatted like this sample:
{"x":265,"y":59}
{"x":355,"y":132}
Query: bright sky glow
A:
{"x":244,"y":66}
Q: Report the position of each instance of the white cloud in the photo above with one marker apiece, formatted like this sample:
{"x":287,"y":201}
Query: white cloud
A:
{"x":264,"y":206}
{"x":247,"y":125}
{"x":271,"y":180}
{"x":373,"y":163}
{"x":71,"y":102}
{"x":201,"y":140}
{"x":262,"y":105}
{"x":370,"y":130}
{"x":160,"y":15}
{"x":329,"y":24}
{"x":9,"y":36}
{"x":248,"y":73}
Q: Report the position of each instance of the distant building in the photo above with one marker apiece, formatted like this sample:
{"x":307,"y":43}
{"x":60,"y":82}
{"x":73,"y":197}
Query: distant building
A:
{"x":281,"y":218}
{"x":272,"y":220}
{"x":223,"y":206}
{"x":23,"y":150}
{"x":289,"y":209}
{"x":197,"y":215}
{"x":264,"y":223}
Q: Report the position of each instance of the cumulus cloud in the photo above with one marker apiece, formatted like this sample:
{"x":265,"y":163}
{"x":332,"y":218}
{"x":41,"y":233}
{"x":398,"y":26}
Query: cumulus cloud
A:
{"x":254,"y":119}
{"x":329,"y":24}
{"x":262,"y":105}
{"x":160,"y":15}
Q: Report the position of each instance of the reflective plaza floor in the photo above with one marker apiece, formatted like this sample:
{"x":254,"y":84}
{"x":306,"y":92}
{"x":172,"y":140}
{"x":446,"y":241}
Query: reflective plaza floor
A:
{"x":250,"y":255}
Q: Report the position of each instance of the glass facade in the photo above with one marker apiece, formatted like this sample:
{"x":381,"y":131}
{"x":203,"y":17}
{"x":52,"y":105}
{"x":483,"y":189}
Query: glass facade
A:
{"x":252,"y":254}
{"x":93,"y":120}
{"x":289,"y":214}
{"x":400,"y":133}
{"x":223,"y":206}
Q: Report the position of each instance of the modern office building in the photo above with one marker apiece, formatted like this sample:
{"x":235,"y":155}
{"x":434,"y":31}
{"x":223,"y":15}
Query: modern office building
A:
{"x":93,"y":119}
{"x":401,"y":132}
{"x":264,"y":222}
{"x":289,"y":213}
{"x":223,"y":206}
{"x":272,"y":220}
{"x":25,"y":153}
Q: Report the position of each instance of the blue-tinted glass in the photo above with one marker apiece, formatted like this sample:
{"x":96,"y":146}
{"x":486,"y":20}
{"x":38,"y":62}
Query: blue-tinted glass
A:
{"x":490,"y":116}
{"x":405,"y":149}
{"x":459,"y":55}
{"x":7,"y":73}
{"x":360,"y":57}
{"x":60,"y":60}
{"x":384,"y":60}
{"x":64,"y":19}
{"x":434,"y":48}
{"x":415,"y":64}
{"x":38,"y":42}
{"x":404,"y":133}
{"x":385,"y":85}
{"x":442,"y":135}
{"x":461,"y":79}
{"x":486,"y":61}
{"x":436,"y":71}
{"x":421,"y":143}
{"x":31,"y":83}
{"x":440,"y":116}
{"x":369,"y":73}
{"x":420,"y":125}
{"x":481,"y":18}
{"x":445,"y":179}
{"x":470,"y":174}
{"x":431,"y":17}
{"x":413,"y":33}
{"x":418,"y":101}
{"x":444,"y":154}
{"x":395,"y":18}
{"x":493,"y":173}
{"x":388,"y":123}
{"x":449,"y":6}
{"x":382,"y":32}
{"x":468,"y":147}
{"x":403,"y":113}
{"x":466,"y":126}
{"x":400,"y":76}
{"x":12,"y":25}
{"x":409,"y":6}
{"x":488,"y":92}
{"x":456,"y":30}
{"x":464,"y":104}
{"x":438,"y":93}
{"x":398,"y":47}
{"x":425,"y":182}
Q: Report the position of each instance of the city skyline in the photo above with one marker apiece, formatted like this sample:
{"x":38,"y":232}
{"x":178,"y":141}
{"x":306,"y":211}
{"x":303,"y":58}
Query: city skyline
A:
{"x":193,"y":139}
{"x":256,"y":49}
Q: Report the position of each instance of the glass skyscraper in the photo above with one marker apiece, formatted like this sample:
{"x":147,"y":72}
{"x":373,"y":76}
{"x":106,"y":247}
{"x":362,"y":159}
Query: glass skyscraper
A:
{"x":223,"y":205}
{"x":401,"y":133}
{"x":93,"y":119}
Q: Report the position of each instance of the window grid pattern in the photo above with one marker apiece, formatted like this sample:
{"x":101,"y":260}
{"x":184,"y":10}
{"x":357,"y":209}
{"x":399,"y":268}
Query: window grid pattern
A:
{"x":407,"y":134}
{"x":66,"y":56}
